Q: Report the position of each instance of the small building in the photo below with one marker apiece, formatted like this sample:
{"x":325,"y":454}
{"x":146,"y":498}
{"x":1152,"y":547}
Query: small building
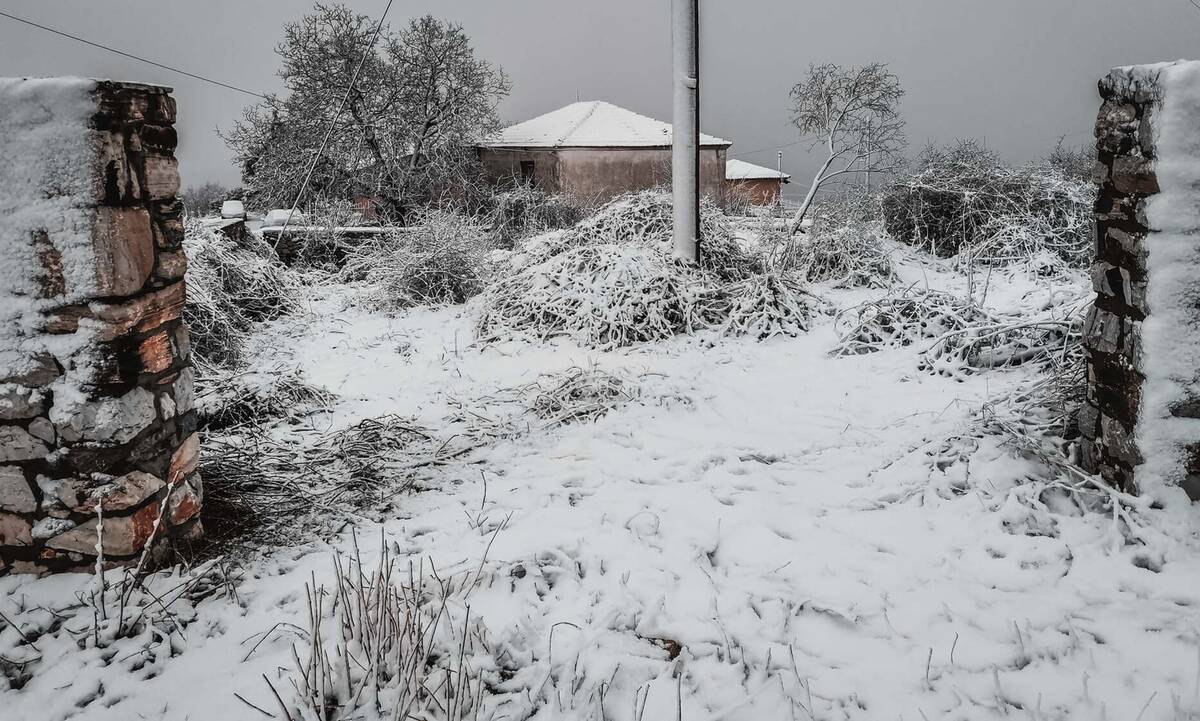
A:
{"x":597,"y":150}
{"x":760,"y":186}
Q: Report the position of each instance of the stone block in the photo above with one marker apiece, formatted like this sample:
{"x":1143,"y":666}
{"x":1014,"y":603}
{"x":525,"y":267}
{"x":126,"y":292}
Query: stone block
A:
{"x":1134,"y":176}
{"x":185,"y":500}
{"x":109,"y":420}
{"x":30,"y":369}
{"x":119,"y":494}
{"x":43,"y":429}
{"x":15,"y":530}
{"x":162,"y":176}
{"x":170,"y":266}
{"x":20,"y":402}
{"x":124,"y":250}
{"x":168,"y":223}
{"x":121,"y":536}
{"x":120,"y":184}
{"x":159,"y":138}
{"x":1089,"y":420}
{"x":184,"y":391}
{"x":15,"y":493}
{"x":135,"y":315}
{"x":155,"y":354}
{"x":18,"y":445}
{"x":186,"y":458}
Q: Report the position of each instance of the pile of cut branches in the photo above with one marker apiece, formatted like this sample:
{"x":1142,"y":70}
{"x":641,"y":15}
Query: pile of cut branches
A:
{"x":959,"y":337}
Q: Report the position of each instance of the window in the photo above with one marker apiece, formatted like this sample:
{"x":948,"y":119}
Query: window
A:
{"x":527,"y":172}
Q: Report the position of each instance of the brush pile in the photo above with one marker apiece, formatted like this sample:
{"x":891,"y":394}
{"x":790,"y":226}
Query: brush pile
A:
{"x":266,"y":490}
{"x":611,"y":282}
{"x":231,"y":287}
{"x":443,"y":258}
{"x":959,"y":337}
{"x":964,"y":199}
{"x":847,"y":255}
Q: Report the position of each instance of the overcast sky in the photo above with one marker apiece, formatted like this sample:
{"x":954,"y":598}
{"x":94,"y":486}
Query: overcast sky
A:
{"x":1019,"y":73}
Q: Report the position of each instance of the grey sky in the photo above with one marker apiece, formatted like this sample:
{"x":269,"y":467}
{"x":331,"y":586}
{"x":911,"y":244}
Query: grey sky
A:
{"x":1016,"y":72}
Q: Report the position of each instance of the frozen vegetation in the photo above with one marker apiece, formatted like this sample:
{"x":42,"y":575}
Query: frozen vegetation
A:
{"x":610,"y":487}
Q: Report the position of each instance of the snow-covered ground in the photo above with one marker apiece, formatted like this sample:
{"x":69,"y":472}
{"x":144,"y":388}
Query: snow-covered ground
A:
{"x":767,"y":532}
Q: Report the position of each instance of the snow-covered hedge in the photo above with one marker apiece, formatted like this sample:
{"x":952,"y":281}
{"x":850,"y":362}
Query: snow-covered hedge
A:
{"x":965,"y":198}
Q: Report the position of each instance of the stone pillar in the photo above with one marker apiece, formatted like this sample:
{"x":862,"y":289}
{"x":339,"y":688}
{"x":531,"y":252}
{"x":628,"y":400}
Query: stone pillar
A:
{"x":1135,"y":421}
{"x":98,"y":451}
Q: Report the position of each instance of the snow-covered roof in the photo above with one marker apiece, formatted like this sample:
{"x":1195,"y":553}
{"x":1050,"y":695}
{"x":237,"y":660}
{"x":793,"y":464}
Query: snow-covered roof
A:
{"x":741,"y":170}
{"x":590,"y":124}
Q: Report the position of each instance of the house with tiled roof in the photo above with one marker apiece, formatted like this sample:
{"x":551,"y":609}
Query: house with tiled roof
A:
{"x":595,"y":149}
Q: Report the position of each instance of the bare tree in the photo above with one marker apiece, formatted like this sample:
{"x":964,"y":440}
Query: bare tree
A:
{"x":202,"y":199}
{"x":852,"y":113}
{"x":420,"y":101}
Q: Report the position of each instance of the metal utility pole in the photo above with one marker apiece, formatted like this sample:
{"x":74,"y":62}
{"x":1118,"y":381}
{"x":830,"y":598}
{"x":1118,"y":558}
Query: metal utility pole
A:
{"x":685,"y":134}
{"x":779,"y":169}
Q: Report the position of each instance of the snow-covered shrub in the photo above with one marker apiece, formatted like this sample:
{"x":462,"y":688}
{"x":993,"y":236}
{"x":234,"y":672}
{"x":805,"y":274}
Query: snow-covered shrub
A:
{"x":442,"y":258}
{"x":645,"y":218}
{"x":230,"y":287}
{"x":965,"y":199}
{"x":851,"y":254}
{"x":526,"y":211}
{"x":611,"y":295}
{"x":605,"y":295}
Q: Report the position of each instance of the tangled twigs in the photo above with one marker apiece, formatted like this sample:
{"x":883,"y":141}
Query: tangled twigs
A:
{"x":962,"y":338}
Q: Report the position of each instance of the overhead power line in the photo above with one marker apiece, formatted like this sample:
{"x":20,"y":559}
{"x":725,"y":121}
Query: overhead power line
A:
{"x":131,"y":56}
{"x":773,"y":147}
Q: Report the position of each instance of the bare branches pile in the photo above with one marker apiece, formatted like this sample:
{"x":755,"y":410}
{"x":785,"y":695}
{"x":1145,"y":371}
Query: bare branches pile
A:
{"x":441,"y":259}
{"x":605,"y":295}
{"x":231,"y":286}
{"x":261,"y":489}
{"x":959,"y":337}
{"x":259,"y":398}
{"x":580,"y":396}
{"x":610,"y":282}
{"x":965,"y":200}
{"x":646,"y":218}
{"x":387,"y":643}
{"x":846,"y":255}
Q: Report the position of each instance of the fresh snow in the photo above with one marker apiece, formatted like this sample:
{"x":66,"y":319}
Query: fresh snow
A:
{"x":1171,"y":355}
{"x":822,"y":536}
{"x":741,"y":170}
{"x":590,"y":124}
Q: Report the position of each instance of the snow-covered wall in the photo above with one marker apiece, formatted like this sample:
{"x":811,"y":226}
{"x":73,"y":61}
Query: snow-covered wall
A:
{"x":1141,"y":422}
{"x":95,"y":382}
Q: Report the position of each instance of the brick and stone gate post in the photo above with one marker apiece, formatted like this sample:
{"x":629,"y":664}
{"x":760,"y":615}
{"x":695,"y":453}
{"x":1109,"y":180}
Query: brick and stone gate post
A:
{"x":98,"y":450}
{"x":1141,"y":420}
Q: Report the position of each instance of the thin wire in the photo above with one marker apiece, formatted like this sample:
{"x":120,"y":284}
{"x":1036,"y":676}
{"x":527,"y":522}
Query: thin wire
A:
{"x":333,"y":124}
{"x":131,"y":55}
{"x":773,"y":147}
